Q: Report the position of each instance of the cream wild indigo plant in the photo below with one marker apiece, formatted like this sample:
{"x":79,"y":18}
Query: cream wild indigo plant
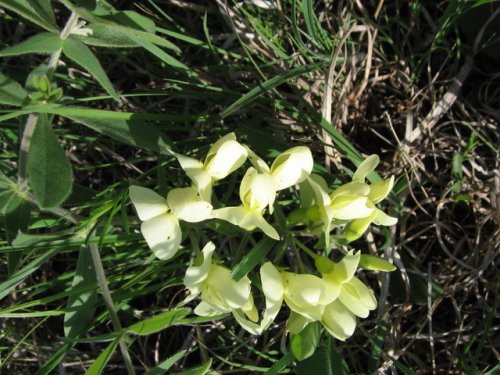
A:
{"x":331,"y":294}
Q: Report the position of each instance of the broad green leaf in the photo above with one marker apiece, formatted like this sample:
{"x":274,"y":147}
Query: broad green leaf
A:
{"x":319,"y":363}
{"x":166,"y":364}
{"x":40,"y":43}
{"x":253,"y":258}
{"x":82,"y":55}
{"x":264,"y":87}
{"x":88,"y":4}
{"x":25,"y":9}
{"x":129,"y":132}
{"x":82,"y":305}
{"x":49,"y":170}
{"x":304,"y":344}
{"x":158,"y":322}
{"x":103,"y":358}
{"x":11,"y":92}
{"x":133,"y":19}
{"x":8,"y":285}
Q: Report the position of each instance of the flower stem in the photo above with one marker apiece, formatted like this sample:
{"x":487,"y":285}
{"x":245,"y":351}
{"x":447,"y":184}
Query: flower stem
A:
{"x":305,"y":248}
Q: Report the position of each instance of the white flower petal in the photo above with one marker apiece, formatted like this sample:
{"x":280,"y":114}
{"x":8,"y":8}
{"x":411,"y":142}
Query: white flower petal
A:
{"x":357,"y":227}
{"x":259,"y":164}
{"x":257,"y":190}
{"x":292,"y":167}
{"x":350,"y":299}
{"x":147,"y":203}
{"x":163,"y":235}
{"x":303,"y":289}
{"x":196,"y":274}
{"x":187,"y":205}
{"x":339,"y":321}
{"x":365,"y":168}
{"x":272,"y":287}
{"x":366,"y":296}
{"x":233,"y":293}
{"x":197,"y":173}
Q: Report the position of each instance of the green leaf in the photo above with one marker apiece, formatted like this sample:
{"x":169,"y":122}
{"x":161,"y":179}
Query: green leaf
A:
{"x":198,"y":370}
{"x":374,"y":263}
{"x":82,"y":55}
{"x":25,"y":9}
{"x":8,"y":285}
{"x":39,"y":43}
{"x":318,"y":363}
{"x":281,"y":364}
{"x":49,"y":170}
{"x":166,"y":364}
{"x":158,"y":52}
{"x":11,"y":92}
{"x":158,"y":322}
{"x":103,"y":358}
{"x":304,"y":344}
{"x":130,"y":132}
{"x":81,"y":305}
{"x":456,"y":167}
{"x":266,"y":86}
{"x":54,"y":360}
{"x":254,"y":257}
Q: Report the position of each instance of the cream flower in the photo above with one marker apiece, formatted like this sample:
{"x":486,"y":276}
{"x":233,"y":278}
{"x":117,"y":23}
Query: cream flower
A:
{"x":219,"y":293}
{"x":335,"y":299}
{"x":257,"y":191}
{"x":224,"y":157}
{"x":160,"y":217}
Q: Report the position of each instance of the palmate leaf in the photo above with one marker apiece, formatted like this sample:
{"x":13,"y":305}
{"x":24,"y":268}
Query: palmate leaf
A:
{"x":36,"y":11}
{"x":49,"y":170}
{"x":11,"y":92}
{"x":83,"y":56}
{"x":40,"y":43}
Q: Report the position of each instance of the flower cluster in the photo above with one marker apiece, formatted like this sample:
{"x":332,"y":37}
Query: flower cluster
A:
{"x":332,"y":295}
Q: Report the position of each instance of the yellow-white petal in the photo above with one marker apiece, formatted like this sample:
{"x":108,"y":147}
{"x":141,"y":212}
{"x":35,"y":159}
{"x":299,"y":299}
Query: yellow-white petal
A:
{"x":163,"y":235}
{"x":257,"y":190}
{"x":246,"y":324}
{"x":350,"y":299}
{"x":197,"y":173}
{"x":365,"y":294}
{"x":357,"y":227}
{"x":147,"y":203}
{"x":383,"y":219}
{"x":250,"y":310}
{"x":272,"y":287}
{"x":292,"y":167}
{"x":234,"y":294}
{"x":339,"y":321}
{"x":204,"y":309}
{"x":348,"y":207}
{"x":196,"y":274}
{"x":365,"y":168}
{"x":259,"y":164}
{"x":302,"y":289}
{"x":332,"y":288}
{"x":381,"y":189}
{"x":245,"y":218}
{"x":187,"y":205}
{"x":225,"y":157}
{"x":344,"y":270}
{"x":351,"y":188}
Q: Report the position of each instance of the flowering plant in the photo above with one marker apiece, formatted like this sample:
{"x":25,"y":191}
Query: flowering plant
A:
{"x":330,"y":293}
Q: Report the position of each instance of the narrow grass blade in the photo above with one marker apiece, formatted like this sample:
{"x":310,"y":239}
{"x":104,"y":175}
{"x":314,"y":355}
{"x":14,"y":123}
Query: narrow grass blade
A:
{"x":253,"y":258}
{"x":103,"y":359}
{"x":158,"y":322}
{"x":266,"y":86}
{"x":54,"y":360}
{"x":166,"y":364}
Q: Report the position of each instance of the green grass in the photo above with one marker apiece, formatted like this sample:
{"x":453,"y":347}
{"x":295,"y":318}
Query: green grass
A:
{"x":266,"y":83}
